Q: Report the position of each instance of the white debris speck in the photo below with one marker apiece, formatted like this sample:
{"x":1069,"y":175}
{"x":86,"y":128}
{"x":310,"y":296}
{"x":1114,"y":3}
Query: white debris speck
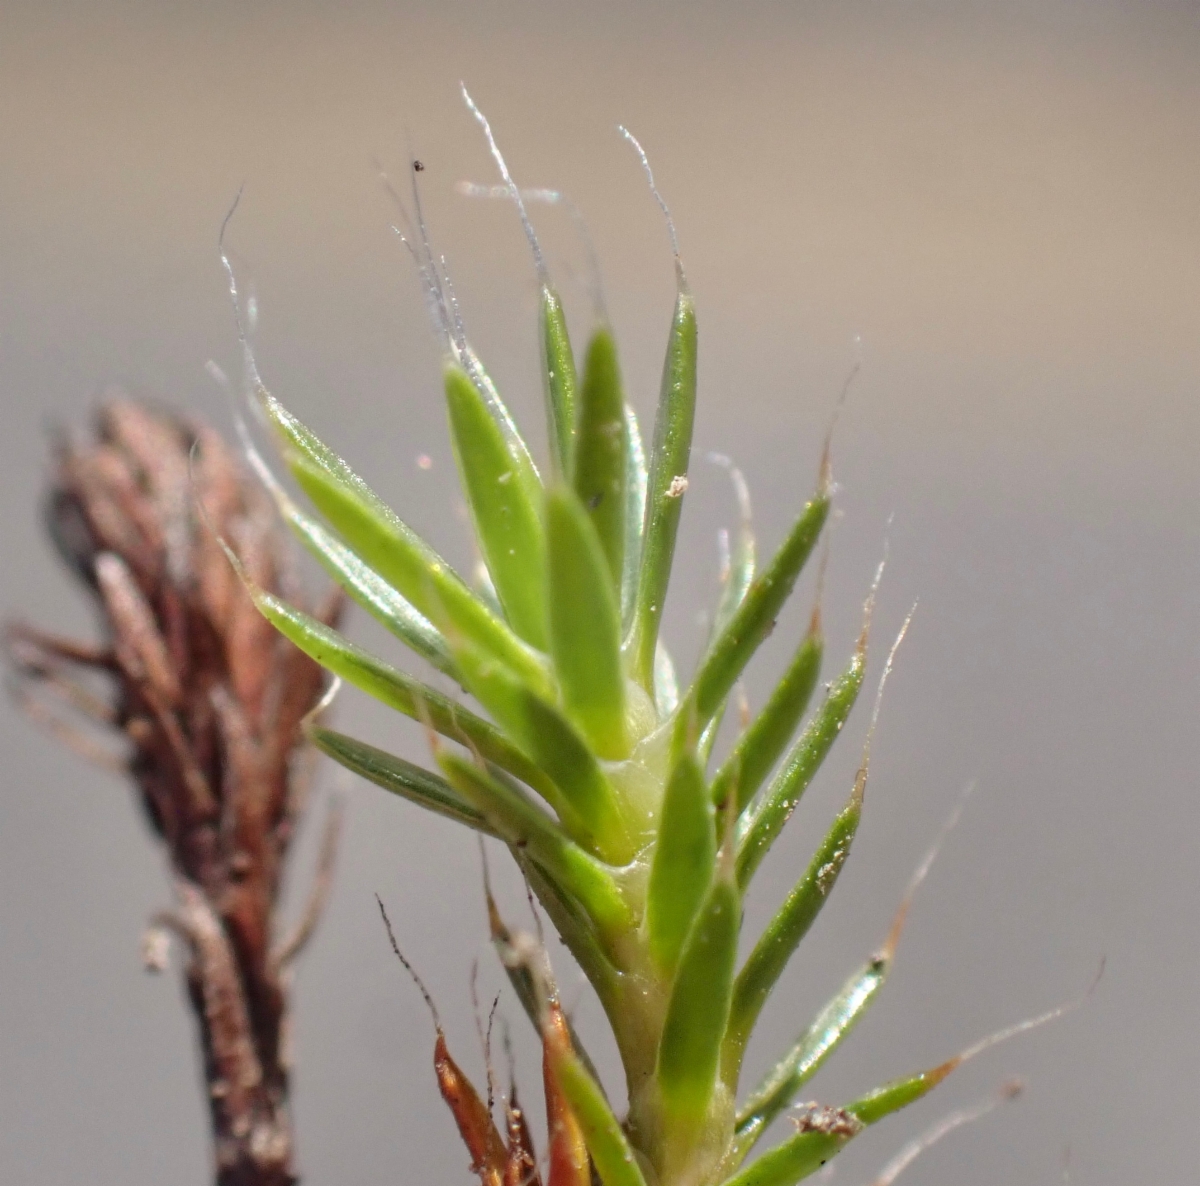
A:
{"x":679,"y":484}
{"x":828,"y":872}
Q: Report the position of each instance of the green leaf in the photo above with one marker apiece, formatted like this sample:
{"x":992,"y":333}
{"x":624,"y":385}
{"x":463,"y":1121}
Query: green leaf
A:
{"x":831,"y":1026}
{"x":606,"y":1142}
{"x":762,"y":822}
{"x":299,"y":438}
{"x":586,"y":802}
{"x":507,"y":521}
{"x":883,"y":1101}
{"x":585,"y":626}
{"x":831,"y":1129}
{"x":518,"y":450}
{"x":758,"y":749}
{"x":404,"y":560}
{"x":601,"y":450}
{"x":791,"y":923}
{"x":698,"y":1009}
{"x":396,"y":688}
{"x":367,"y":588}
{"x":398,"y":776}
{"x":797,"y":1158}
{"x":558,"y":365}
{"x":755,"y":616}
{"x":389,"y":546}
{"x":669,"y":460}
{"x":685,"y":856}
{"x":635,"y":514}
{"x":835,"y":1021}
{"x":526,"y":828}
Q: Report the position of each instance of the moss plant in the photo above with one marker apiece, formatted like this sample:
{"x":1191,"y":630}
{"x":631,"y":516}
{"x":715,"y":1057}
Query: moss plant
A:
{"x":584,"y":756}
{"x":189,"y":696}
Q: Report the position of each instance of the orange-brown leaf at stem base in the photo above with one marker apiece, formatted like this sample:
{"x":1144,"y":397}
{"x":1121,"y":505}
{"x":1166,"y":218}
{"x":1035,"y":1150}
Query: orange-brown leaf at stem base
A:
{"x":569,"y":1164}
{"x":488,"y":1158}
{"x":520,"y":1166}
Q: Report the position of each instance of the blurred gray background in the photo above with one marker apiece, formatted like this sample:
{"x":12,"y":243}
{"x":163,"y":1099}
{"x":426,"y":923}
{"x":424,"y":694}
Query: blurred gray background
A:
{"x":1002,"y":199}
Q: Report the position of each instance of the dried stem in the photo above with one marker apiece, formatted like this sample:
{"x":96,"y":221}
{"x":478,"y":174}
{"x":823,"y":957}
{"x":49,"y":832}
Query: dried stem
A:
{"x":207,"y":705}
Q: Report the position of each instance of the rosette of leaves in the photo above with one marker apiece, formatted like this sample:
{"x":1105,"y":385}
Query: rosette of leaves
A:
{"x":581,"y":751}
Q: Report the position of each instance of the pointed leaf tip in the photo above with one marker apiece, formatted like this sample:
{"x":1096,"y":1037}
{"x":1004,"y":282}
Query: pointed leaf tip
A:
{"x":601,"y":449}
{"x":475,"y":1125}
{"x":669,"y":460}
{"x":559,"y":379}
